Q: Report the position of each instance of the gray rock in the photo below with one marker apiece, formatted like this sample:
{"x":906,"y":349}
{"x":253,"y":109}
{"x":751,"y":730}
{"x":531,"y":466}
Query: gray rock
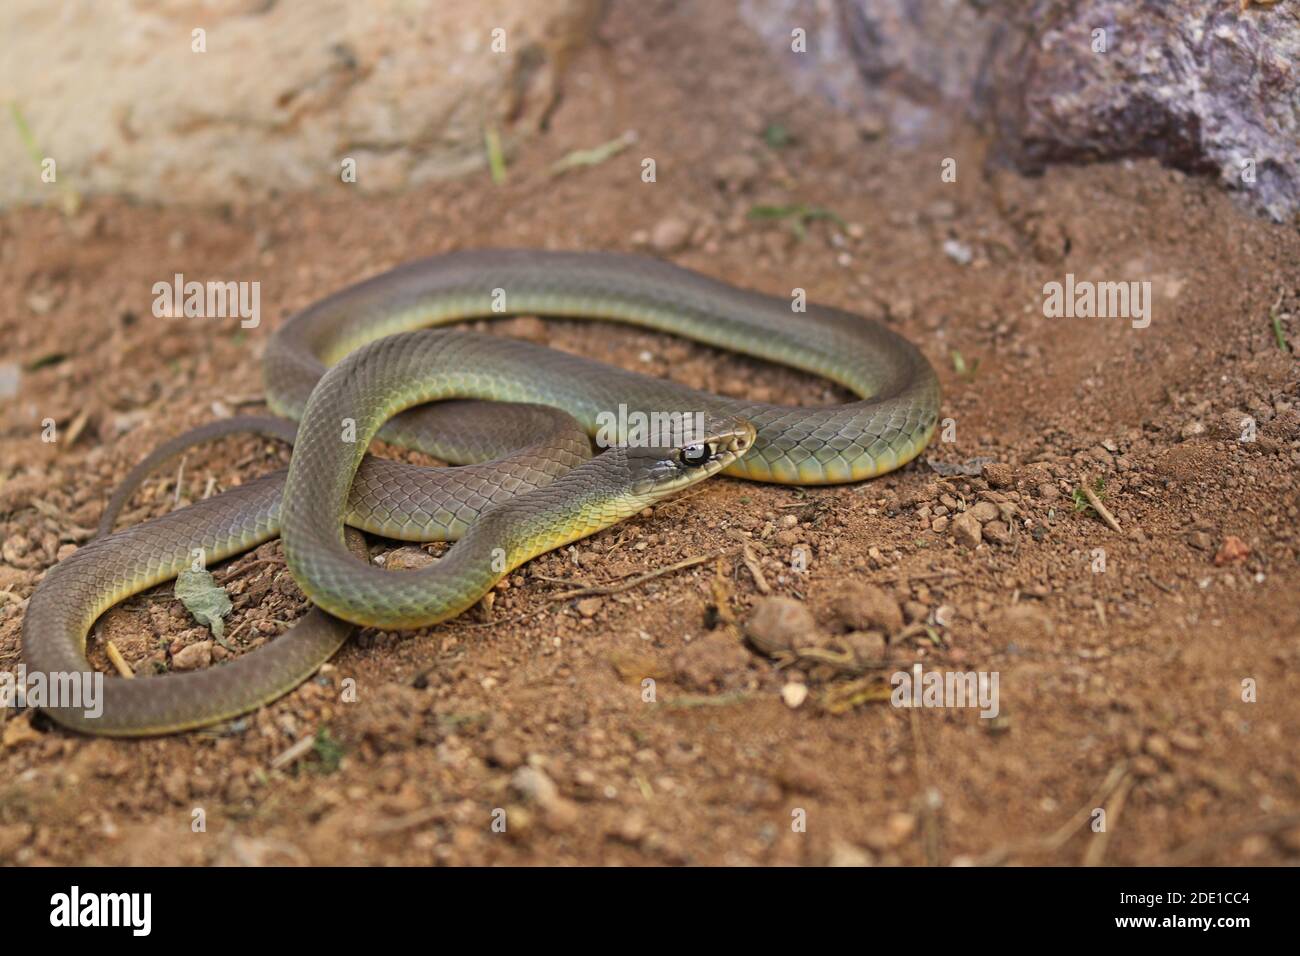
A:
{"x":1200,"y":85}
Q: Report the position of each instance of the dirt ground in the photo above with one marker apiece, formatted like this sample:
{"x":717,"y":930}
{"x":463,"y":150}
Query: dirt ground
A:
{"x":1120,"y":688}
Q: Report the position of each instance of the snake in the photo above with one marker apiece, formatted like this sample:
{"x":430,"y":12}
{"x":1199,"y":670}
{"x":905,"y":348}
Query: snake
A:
{"x":516,"y":419}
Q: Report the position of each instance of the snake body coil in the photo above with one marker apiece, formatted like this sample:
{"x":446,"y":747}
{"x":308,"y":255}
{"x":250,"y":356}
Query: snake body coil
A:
{"x":527,"y":485}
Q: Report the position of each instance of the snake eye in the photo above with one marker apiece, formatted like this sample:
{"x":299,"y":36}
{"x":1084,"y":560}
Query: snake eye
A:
{"x":695,"y":454}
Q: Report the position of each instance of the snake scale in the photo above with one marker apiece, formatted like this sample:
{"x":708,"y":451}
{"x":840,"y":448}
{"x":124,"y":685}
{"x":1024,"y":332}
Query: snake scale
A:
{"x":369,"y":361}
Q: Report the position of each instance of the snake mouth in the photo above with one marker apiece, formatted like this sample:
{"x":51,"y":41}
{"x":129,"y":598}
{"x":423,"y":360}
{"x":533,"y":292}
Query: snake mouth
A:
{"x":739,"y":444}
{"x":725,"y":441}
{"x":733,"y":446}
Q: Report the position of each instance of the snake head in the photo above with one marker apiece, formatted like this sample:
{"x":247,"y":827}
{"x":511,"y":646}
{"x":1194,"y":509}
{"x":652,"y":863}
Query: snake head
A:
{"x":659,"y":470}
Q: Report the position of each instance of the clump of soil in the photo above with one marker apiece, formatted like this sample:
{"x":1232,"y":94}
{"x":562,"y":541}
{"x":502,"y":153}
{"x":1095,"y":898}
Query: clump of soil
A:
{"x":643,"y":726}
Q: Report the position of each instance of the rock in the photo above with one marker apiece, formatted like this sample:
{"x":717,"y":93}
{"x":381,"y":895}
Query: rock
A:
{"x":527,"y":327}
{"x":503,"y":753}
{"x":1200,"y":85}
{"x":10,"y":376}
{"x":19,"y":730}
{"x":532,"y":784}
{"x":939,"y":525}
{"x":736,"y":173}
{"x":958,"y":252}
{"x":915,"y":611}
{"x":778,"y":624}
{"x":1158,"y":747}
{"x":261,"y":852}
{"x":846,"y":854}
{"x":714,"y":661}
{"x":997,"y":532}
{"x":193,"y":657}
{"x":1000,"y":475}
{"x":632,"y":829}
{"x":670,"y":235}
{"x":408,"y":558}
{"x":299,"y":87}
{"x":1144,"y":767}
{"x":868,"y":647}
{"x":176,"y":785}
{"x":966,"y":530}
{"x":787,"y":538}
{"x":1232,"y":551}
{"x":1048,"y":491}
{"x":984,"y":511}
{"x":1193,"y":429}
{"x":861,"y":607}
{"x":1253,"y":847}
{"x":588,"y":607}
{"x":794,"y":694}
{"x":796,"y":774}
{"x":898,"y":826}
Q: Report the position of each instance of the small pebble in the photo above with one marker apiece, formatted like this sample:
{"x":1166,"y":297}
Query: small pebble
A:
{"x":670,"y":235}
{"x":863,"y":607}
{"x":193,"y":657}
{"x":966,"y":529}
{"x":958,"y":252}
{"x":794,"y":694}
{"x":778,"y":623}
{"x":1232,"y":551}
{"x":997,"y":532}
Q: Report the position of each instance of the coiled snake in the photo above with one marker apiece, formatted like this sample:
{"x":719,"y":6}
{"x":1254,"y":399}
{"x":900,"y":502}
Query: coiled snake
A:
{"x":362,"y":363}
